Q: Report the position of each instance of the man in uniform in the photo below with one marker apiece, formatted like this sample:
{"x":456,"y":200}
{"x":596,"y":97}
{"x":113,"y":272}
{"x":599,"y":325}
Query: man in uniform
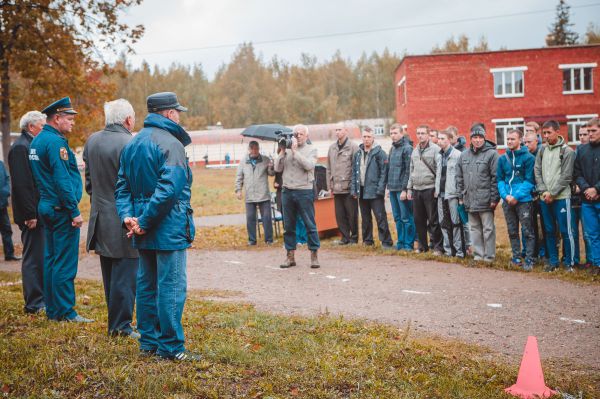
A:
{"x":153,"y":201}
{"x":25,"y":200}
{"x":106,"y":235}
{"x":58,"y":180}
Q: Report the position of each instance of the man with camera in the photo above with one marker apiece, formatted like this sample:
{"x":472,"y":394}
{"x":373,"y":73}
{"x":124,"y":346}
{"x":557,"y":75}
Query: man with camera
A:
{"x":297,"y":162}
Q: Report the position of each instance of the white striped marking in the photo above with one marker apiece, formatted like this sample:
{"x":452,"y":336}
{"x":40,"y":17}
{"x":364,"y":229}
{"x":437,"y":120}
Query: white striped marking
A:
{"x":417,"y":292}
{"x":345,"y":280}
{"x":234,"y":262}
{"x":494,"y":305}
{"x":330,"y":277}
{"x":578,"y":321}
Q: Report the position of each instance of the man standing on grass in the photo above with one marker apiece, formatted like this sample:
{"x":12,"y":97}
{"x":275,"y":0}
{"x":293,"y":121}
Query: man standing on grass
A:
{"x":106,"y":234}
{"x":476,"y":181}
{"x":533,"y":144}
{"x":368,"y":186}
{"x":515,"y":184}
{"x":587,"y":175}
{"x":584,"y":138}
{"x":253,"y":175}
{"x":153,"y":201}
{"x":553,"y":175}
{"x":339,"y":175}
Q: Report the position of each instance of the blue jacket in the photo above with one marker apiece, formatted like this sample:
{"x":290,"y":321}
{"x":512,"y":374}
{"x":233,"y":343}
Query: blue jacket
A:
{"x":54,"y":169}
{"x":375,"y":173}
{"x":515,"y":174}
{"x":4,"y":186}
{"x":154,"y":185}
{"x":399,"y":164}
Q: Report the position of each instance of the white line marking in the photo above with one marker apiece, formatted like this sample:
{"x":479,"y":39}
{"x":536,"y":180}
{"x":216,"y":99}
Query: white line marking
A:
{"x":578,"y":321}
{"x":10,"y":283}
{"x":494,"y":305}
{"x":330,"y":277}
{"x":312,"y":273}
{"x":416,"y":292}
{"x":234,"y":262}
{"x":273,"y":268}
{"x":345,"y":280}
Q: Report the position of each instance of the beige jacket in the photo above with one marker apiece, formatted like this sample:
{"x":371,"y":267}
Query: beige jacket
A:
{"x":254,"y":179}
{"x":339,"y":166}
{"x":299,"y":168}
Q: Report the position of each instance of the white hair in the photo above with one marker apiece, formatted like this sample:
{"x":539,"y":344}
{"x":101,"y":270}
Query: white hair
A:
{"x":117,"y":111}
{"x":300,"y":126}
{"x":30,"y":118}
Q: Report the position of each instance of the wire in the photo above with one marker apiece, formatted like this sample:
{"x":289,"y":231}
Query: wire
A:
{"x":361,"y":32}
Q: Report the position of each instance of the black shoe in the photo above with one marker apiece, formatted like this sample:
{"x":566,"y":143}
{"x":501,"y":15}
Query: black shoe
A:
{"x":550,"y":268}
{"x":12,"y":258}
{"x":185,"y":356}
{"x":35,"y":311}
{"x":131,"y":334}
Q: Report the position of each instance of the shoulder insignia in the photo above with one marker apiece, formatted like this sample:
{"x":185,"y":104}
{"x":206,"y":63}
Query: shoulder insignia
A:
{"x":64,"y":155}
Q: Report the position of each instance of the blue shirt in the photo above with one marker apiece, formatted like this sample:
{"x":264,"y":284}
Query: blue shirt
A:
{"x":54,"y":169}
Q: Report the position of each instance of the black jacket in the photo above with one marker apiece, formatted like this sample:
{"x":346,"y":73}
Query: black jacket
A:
{"x":399,"y":164}
{"x":375,"y":174}
{"x":587,"y":168}
{"x":25,"y":196}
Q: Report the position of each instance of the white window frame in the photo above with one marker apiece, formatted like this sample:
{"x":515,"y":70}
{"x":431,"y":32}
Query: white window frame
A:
{"x":378,"y":130}
{"x":581,"y":67}
{"x":402,"y":87}
{"x":507,"y":124}
{"x":574,"y":122}
{"x":513,"y":94}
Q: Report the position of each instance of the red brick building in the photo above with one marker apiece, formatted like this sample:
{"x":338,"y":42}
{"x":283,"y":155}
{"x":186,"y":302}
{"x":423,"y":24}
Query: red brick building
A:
{"x":502,"y":89}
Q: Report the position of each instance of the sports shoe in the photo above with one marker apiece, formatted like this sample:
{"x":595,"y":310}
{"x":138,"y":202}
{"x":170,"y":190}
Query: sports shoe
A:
{"x":569,"y":269}
{"x":528,"y":266}
{"x":185,"y":356}
{"x":516,"y":261}
{"x":79,"y":319}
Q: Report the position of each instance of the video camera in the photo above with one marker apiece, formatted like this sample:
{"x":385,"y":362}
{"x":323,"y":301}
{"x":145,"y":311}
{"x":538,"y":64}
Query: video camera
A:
{"x":285,"y":139}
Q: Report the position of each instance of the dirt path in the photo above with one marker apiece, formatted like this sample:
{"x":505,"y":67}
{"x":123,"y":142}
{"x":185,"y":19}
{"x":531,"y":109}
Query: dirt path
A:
{"x":494,"y":308}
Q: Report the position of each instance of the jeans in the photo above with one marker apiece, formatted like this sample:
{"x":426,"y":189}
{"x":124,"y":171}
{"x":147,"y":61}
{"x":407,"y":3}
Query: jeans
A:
{"x":346,"y":216}
{"x":483,"y":235}
{"x":405,"y":223}
{"x":537,"y":224}
{"x":516,"y":215}
{"x":577,"y":214}
{"x":118,"y":277}
{"x":301,"y":235}
{"x":6,"y":231}
{"x":590,"y":212}
{"x":160,"y":296}
{"x":377,"y":207}
{"x":265,"y":215}
{"x":32,"y":268}
{"x":559,"y":213}
{"x":299,"y":203}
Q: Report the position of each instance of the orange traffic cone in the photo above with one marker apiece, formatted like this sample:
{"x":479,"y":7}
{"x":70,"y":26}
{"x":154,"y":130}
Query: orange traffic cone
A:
{"x":530,"y":382}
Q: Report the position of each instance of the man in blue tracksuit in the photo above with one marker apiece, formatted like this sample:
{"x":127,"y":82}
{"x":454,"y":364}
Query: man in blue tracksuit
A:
{"x":153,"y":201}
{"x":515,"y":183}
{"x":58,"y":180}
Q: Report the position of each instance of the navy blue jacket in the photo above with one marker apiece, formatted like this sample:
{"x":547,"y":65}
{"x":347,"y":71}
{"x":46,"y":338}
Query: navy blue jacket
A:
{"x":154,"y":185}
{"x":375,"y":174}
{"x":25,"y":195}
{"x":4,"y":186}
{"x":399,"y":164}
{"x":515,"y":174}
{"x":54,"y":169}
{"x":587,"y":169}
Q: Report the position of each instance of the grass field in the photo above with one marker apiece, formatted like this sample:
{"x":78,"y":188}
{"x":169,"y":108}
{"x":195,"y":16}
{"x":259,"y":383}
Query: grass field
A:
{"x":248,"y":354}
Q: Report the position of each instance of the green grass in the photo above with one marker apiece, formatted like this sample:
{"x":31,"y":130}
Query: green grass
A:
{"x":247,"y":354}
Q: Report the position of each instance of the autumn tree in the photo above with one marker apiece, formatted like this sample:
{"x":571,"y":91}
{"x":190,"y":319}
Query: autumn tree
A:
{"x":52,"y":48}
{"x":592,"y":35}
{"x":561,"y":33}
{"x":461,"y":45}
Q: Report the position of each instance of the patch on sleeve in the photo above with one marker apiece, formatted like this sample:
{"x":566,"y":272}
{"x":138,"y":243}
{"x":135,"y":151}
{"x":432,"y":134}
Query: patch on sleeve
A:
{"x":64,"y":155}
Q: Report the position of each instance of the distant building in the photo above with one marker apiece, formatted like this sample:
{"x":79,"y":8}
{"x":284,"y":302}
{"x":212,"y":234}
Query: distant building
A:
{"x":502,"y":89}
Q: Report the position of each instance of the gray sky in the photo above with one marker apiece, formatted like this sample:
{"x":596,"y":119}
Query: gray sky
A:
{"x":186,"y":24}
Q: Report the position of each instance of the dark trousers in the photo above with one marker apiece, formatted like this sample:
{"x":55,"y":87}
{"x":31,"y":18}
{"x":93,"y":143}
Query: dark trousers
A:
{"x":119,"y":276}
{"x":299,"y":203}
{"x":425,"y":212}
{"x":6,"y":231}
{"x":265,"y":215}
{"x":537,"y":225}
{"x":32,"y":268}
{"x":516,"y":215}
{"x":346,"y":216}
{"x":377,"y":206}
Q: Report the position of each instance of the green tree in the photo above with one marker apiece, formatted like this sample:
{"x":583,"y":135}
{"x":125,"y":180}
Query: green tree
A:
{"x":50,"y":48}
{"x":561,"y":33}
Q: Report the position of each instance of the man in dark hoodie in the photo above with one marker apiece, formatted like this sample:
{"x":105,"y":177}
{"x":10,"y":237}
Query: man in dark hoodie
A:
{"x":369,"y":170}
{"x":533,"y":143}
{"x":397,"y":180}
{"x":476,"y":181}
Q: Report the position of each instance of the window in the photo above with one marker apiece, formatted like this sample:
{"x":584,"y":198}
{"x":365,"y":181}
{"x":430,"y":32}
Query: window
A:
{"x":402,"y":91}
{"x":378,"y":130}
{"x":509,"y":82}
{"x":504,"y":125}
{"x":577,"y":78}
{"x":574,"y":122}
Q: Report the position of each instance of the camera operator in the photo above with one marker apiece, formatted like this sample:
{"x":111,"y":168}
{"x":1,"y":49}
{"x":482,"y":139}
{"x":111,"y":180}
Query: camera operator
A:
{"x":297,"y":161}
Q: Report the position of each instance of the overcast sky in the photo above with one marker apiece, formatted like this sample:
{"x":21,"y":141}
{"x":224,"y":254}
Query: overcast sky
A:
{"x":192,"y":24}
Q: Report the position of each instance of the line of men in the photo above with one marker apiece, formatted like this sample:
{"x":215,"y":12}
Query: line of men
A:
{"x":445,"y":194}
{"x":141,"y":222}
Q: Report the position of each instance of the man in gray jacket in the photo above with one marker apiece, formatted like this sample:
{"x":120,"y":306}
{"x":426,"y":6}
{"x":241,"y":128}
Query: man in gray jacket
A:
{"x":106,"y":234}
{"x":421,"y":190}
{"x":477,"y":188}
{"x":298,"y":166}
{"x":253,"y":175}
{"x":339,"y":176}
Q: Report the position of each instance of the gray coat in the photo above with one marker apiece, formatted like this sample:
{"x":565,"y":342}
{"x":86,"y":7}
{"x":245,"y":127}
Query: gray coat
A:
{"x":339,"y":166}
{"x":254,"y":179}
{"x":476,"y":177}
{"x":452,"y":161}
{"x":375,"y":174}
{"x":101,"y":154}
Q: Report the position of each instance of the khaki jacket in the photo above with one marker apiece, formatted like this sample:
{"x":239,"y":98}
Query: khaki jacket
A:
{"x":254,"y":179}
{"x":299,"y":168}
{"x":339,"y":166}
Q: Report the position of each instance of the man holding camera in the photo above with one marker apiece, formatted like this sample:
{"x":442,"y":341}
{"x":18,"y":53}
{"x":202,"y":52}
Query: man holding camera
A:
{"x":297,"y":162}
